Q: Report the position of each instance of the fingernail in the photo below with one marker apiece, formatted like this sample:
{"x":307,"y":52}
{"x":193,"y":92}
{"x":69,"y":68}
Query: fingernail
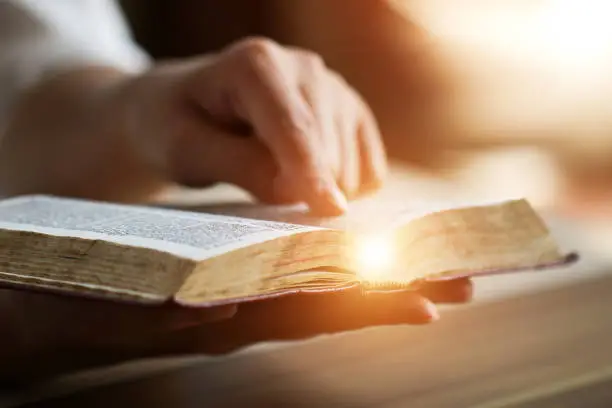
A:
{"x":328,"y":198}
{"x":431,"y":311}
{"x":338,"y":197}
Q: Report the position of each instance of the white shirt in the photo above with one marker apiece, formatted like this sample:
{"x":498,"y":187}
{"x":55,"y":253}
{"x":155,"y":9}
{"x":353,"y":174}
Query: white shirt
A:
{"x":39,"y":37}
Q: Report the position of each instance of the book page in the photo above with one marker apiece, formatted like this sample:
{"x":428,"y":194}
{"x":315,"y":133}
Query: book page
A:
{"x":187,"y":234}
{"x":365,"y":216}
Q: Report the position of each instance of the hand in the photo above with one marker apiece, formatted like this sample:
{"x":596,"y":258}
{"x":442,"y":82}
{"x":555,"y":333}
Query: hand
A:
{"x":63,"y":333}
{"x":308,"y":315}
{"x":270,"y":119}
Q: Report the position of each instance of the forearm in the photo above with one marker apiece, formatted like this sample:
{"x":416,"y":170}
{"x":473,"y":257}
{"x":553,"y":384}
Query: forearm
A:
{"x":67,"y":136}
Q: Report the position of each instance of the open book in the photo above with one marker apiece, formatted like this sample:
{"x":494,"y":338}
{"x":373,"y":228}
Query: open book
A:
{"x":154,"y":255}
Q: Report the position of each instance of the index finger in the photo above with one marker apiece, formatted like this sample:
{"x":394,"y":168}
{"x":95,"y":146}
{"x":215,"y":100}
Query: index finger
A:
{"x":273,"y":104}
{"x":371,"y":149}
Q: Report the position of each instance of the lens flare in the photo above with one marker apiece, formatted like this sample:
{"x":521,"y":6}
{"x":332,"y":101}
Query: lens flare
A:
{"x":374,"y":256}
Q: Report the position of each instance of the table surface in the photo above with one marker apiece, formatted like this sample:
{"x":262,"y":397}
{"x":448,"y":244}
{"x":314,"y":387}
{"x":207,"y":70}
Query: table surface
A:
{"x":529,"y":340}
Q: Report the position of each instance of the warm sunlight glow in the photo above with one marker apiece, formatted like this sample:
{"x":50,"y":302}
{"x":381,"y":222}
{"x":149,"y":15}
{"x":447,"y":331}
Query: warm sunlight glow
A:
{"x":374,"y":255}
{"x":524,"y":66}
{"x":576,"y":33}
{"x":569,"y":36}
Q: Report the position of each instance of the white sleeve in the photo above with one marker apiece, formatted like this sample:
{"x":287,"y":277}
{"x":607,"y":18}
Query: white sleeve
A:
{"x":39,"y":37}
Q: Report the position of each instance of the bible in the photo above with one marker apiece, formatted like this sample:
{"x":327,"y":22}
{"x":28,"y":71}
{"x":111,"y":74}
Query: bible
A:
{"x":155,"y":254}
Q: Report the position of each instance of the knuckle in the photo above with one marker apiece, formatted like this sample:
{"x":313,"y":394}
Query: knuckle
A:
{"x":302,"y":136}
{"x":300,"y":127}
{"x":312,"y":60}
{"x":259,"y":47}
{"x":366,"y":111}
{"x":352,"y":96}
{"x":358,"y":102}
{"x":339,"y":80}
{"x":256,"y":58}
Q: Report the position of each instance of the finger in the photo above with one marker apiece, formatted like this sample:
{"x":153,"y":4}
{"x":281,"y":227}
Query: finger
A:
{"x":124,"y":325}
{"x":451,"y":291}
{"x":399,"y":307}
{"x":273,"y":104}
{"x":305,"y":316}
{"x":322,"y":98}
{"x":349,"y":147}
{"x":372,"y":151}
{"x":127,"y":320}
{"x":329,"y":312}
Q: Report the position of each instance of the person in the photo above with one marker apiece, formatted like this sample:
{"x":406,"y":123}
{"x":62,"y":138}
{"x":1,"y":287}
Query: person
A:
{"x":84,"y":112}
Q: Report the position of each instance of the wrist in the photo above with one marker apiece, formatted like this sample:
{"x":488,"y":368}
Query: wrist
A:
{"x":124,"y":107}
{"x":134,"y":102}
{"x":68,"y":135}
